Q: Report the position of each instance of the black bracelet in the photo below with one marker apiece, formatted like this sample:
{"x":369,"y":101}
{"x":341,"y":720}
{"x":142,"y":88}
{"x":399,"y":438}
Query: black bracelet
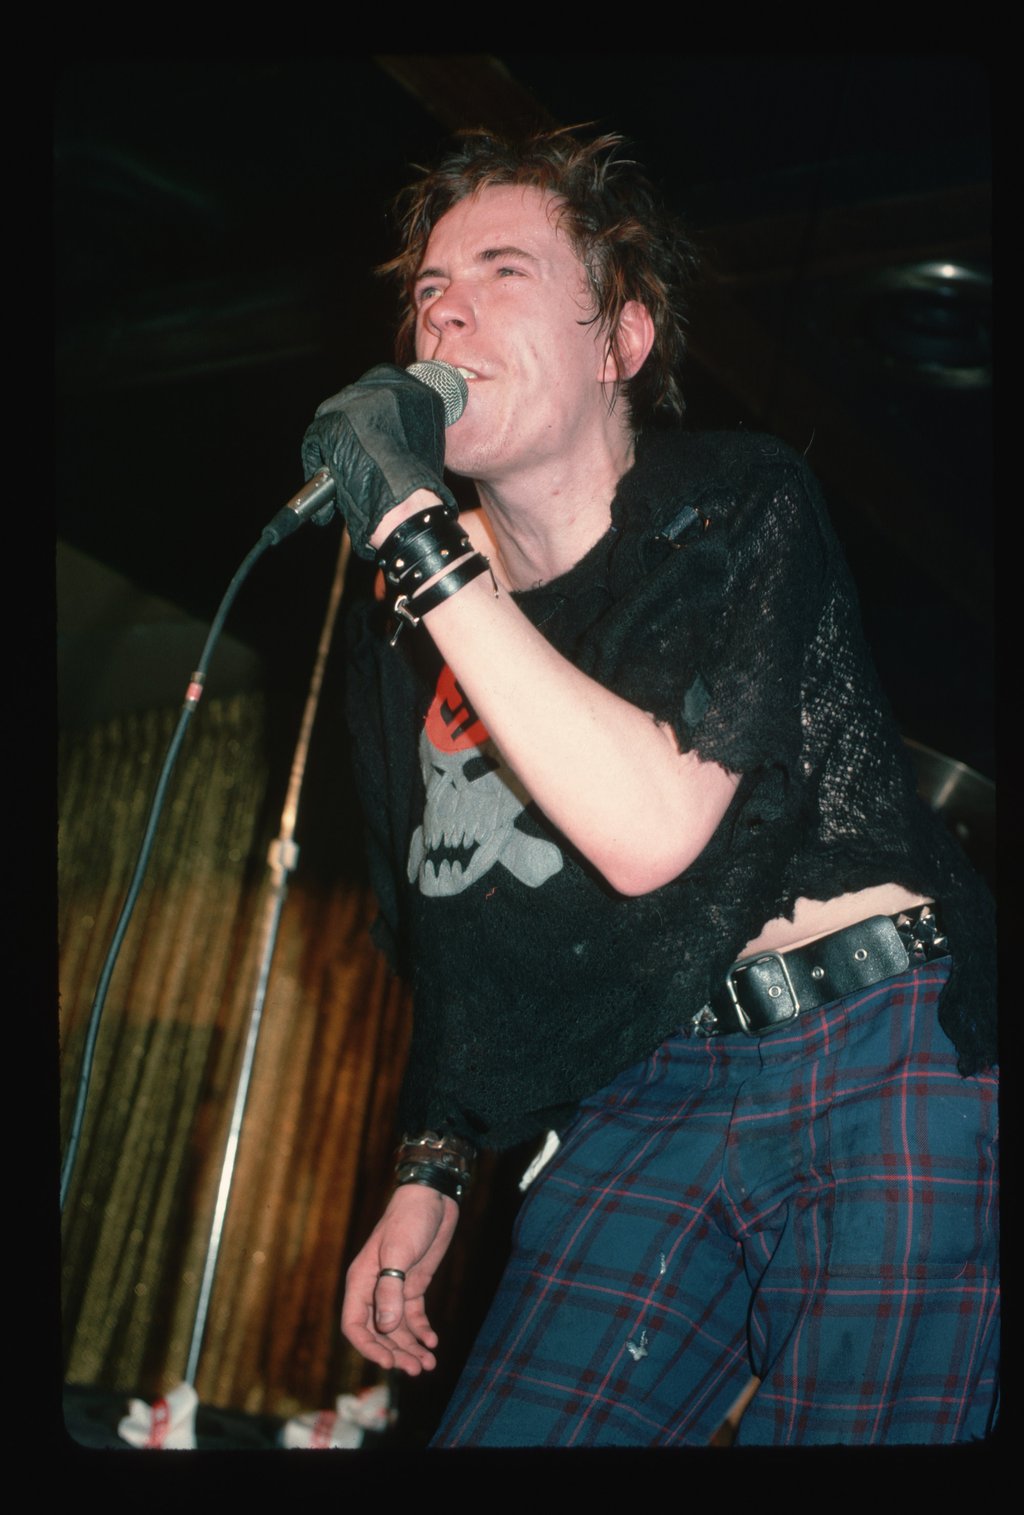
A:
{"x":433,"y":1176}
{"x":411,"y":610}
{"x":412,"y":525}
{"x":421,"y":547}
{"x":442,"y":1162}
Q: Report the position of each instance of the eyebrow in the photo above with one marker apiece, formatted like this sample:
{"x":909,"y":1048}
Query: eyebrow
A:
{"x":489,"y":255}
{"x":493,"y":253}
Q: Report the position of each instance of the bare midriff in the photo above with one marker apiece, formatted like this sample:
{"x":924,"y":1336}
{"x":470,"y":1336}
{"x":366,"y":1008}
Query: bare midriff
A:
{"x":814,"y":918}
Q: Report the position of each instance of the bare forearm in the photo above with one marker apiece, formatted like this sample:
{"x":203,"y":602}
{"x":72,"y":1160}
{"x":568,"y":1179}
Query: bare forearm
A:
{"x":604,"y":772}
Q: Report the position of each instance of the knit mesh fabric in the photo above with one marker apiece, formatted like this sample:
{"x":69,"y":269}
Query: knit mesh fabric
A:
{"x":720,"y":602}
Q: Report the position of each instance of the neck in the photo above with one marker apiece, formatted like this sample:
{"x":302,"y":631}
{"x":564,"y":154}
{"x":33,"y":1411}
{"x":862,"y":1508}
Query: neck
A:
{"x":541,"y":526}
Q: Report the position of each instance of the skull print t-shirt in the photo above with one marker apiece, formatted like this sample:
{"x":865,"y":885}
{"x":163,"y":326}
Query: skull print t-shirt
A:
{"x":719,"y":602}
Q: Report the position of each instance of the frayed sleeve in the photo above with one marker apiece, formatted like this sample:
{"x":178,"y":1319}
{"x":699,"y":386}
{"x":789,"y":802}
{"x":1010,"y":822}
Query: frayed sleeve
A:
{"x":712,"y":637}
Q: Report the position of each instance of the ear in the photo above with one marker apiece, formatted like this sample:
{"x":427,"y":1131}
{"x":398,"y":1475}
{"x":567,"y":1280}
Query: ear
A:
{"x":634,"y":339}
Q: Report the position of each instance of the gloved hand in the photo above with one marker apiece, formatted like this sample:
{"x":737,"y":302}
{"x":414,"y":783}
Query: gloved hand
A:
{"x":382,"y":438}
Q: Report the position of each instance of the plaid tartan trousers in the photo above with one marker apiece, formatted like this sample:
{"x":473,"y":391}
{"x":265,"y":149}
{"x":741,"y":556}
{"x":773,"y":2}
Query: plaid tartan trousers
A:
{"x":817,"y":1208}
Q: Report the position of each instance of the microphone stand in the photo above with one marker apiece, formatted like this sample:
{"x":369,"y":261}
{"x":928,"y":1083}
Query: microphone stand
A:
{"x":282,"y":858}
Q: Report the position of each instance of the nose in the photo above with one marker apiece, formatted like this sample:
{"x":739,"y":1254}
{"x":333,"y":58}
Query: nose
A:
{"x":451,"y":312}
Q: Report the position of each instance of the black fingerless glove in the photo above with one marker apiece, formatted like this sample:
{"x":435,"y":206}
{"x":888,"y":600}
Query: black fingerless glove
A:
{"x":382,"y":438}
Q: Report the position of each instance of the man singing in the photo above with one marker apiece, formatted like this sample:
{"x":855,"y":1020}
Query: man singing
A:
{"x":647,"y":845}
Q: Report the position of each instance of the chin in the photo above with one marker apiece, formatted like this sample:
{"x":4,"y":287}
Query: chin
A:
{"x":469,"y":456}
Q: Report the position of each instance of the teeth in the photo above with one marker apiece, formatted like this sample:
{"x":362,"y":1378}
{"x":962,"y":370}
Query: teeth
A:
{"x":467,"y":373}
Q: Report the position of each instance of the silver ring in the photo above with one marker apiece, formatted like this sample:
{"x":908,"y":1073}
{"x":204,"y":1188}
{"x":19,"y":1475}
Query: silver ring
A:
{"x":391,"y":1273}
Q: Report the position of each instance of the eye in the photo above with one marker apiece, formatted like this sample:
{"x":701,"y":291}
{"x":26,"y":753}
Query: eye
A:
{"x":427,"y":292}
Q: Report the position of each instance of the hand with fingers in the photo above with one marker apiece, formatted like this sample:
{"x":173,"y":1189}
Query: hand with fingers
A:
{"x":384,"y":1315}
{"x":383,"y":440}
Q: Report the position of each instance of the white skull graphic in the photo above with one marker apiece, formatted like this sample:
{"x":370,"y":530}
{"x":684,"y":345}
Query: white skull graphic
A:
{"x":473,"y":801}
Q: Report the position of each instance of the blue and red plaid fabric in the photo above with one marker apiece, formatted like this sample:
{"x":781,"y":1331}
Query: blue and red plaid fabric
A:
{"x":817,"y":1208}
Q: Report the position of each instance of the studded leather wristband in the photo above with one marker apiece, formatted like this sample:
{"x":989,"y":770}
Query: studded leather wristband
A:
{"x":410,"y":609}
{"x":439,"y":1162}
{"x":421,"y":547}
{"x":431,"y":1176}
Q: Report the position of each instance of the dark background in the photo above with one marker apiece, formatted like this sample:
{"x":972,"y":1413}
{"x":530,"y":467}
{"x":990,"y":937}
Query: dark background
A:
{"x":216,"y":225}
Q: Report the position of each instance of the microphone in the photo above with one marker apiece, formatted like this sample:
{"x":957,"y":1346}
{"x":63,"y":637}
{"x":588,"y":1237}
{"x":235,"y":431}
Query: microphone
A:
{"x":445,"y":381}
{"x":315,"y":500}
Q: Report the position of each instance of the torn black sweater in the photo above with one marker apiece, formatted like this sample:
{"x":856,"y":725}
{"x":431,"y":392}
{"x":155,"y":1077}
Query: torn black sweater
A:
{"x":534,"y":982}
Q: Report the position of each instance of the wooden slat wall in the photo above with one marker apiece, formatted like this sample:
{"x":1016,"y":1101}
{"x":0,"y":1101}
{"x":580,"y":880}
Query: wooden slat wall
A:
{"x":314,"y":1155}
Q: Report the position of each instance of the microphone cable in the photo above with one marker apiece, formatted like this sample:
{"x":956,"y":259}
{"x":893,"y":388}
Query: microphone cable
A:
{"x":193,"y":694}
{"x":314,"y":501}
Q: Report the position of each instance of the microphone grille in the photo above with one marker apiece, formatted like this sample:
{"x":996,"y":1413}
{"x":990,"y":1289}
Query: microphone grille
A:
{"x":446,"y":382}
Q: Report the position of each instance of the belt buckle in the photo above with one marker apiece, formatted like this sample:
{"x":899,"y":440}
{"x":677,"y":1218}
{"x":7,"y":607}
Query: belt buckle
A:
{"x":745,"y":1024}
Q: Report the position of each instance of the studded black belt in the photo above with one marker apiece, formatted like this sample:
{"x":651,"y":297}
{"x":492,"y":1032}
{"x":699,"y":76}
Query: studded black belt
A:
{"x":769,"y":990}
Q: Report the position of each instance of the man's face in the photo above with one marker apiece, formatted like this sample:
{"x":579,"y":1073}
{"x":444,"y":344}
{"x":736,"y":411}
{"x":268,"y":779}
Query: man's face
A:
{"x":502,"y":296}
